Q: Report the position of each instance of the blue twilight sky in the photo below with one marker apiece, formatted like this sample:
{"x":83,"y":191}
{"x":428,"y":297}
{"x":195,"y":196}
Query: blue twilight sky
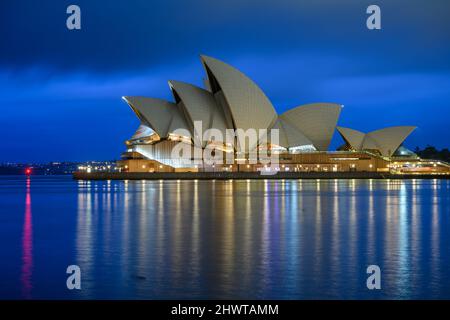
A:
{"x":61,"y":90}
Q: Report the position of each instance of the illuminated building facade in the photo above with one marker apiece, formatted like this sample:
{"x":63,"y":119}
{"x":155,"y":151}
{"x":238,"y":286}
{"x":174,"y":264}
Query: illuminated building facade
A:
{"x":232,"y":101}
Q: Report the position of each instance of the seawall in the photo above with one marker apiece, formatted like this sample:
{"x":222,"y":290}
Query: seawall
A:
{"x":246,"y":175}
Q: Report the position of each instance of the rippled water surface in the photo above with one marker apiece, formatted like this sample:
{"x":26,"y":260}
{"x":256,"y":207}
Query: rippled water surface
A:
{"x":273,"y":239}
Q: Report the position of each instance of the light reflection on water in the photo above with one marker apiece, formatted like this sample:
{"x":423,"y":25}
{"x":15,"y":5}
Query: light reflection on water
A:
{"x":27,"y":246}
{"x":281,"y":239}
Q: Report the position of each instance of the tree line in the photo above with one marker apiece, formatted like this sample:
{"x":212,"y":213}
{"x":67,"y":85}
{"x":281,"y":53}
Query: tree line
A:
{"x":430,"y":152}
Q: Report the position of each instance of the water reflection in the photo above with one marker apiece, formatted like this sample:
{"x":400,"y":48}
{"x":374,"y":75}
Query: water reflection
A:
{"x":85,"y":240}
{"x":27,"y":245}
{"x":435,"y":231}
{"x":268,"y":239}
{"x":404,"y":271}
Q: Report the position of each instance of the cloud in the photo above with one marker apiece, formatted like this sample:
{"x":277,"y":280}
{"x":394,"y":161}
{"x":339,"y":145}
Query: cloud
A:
{"x":136,"y":35}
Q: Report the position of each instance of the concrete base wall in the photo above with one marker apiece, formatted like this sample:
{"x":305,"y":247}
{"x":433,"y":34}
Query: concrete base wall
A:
{"x":246,"y":175}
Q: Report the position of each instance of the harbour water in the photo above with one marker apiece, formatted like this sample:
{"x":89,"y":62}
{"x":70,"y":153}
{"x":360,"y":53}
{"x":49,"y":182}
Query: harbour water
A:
{"x":232,"y":239}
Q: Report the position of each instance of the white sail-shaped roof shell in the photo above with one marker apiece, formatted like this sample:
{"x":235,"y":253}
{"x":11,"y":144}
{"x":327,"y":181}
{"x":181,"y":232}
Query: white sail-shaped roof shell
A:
{"x":249,"y":106}
{"x":388,"y":139}
{"x":199,"y":105}
{"x":160,"y":115}
{"x":289,"y":136}
{"x":317,"y":121}
{"x":385,"y":140}
{"x":353,"y":137}
{"x":142,"y":132}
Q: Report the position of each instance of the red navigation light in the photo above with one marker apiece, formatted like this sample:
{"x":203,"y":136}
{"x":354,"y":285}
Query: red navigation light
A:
{"x":28,"y":171}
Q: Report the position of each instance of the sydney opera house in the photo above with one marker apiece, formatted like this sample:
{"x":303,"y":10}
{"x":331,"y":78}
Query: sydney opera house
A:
{"x":232,"y":101}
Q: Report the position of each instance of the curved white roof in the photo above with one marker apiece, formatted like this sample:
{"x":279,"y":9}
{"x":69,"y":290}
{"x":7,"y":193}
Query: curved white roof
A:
{"x":389,"y":139}
{"x":385,"y":140}
{"x":370,"y":144}
{"x":248,"y":105}
{"x":353,"y":137}
{"x":162,"y":116}
{"x":317,"y":121}
{"x":142,"y":132}
{"x":290,"y":136}
{"x":199,"y":105}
